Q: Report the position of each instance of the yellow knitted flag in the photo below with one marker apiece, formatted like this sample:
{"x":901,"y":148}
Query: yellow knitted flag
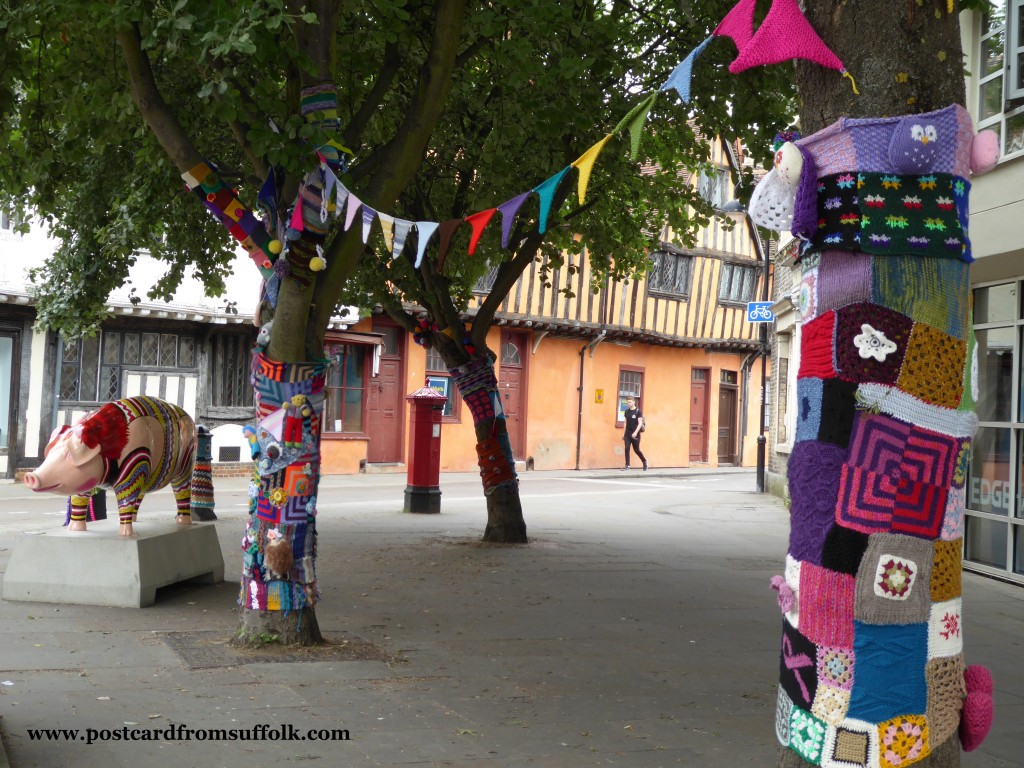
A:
{"x":585,"y":164}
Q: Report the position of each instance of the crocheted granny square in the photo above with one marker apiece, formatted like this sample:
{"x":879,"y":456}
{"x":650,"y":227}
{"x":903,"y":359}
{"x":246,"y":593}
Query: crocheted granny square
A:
{"x":807,"y":295}
{"x":892,"y":584}
{"x":836,"y":667}
{"x":852,"y":744}
{"x":933,"y":366}
{"x":931,"y":291}
{"x":783,"y":715}
{"x":947,"y":571}
{"x":844,"y":549}
{"x":814,"y":472}
{"x":830,"y":704}
{"x":807,"y":735}
{"x":808,"y":414}
{"x":902,"y":740}
{"x":890,"y":671}
{"x":870,"y":342}
{"x":797,"y":669}
{"x":816,"y":353}
{"x":953,"y":521}
{"x":870,"y":479}
{"x":838,"y":409}
{"x":844,"y":277}
{"x":946,"y":692}
{"x":945,"y":629}
{"x":826,"y":606}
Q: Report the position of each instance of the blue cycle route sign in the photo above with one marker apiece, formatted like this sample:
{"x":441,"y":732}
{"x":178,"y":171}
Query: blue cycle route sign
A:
{"x":760,"y":312}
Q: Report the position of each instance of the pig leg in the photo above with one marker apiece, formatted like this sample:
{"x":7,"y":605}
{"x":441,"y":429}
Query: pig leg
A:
{"x":130,"y":486}
{"x":78,"y":511}
{"x":183,"y":498}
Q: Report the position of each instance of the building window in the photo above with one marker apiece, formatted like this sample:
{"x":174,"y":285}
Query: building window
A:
{"x":346,"y":387}
{"x":486,"y":282}
{"x":670,"y":274}
{"x":1001,"y":74}
{"x":781,"y":374}
{"x":631,"y":384}
{"x":994,"y":523}
{"x":440,"y":381}
{"x":230,"y":368}
{"x":713,"y":186}
{"x":736,"y":283}
{"x":9,"y":220}
{"x":92,"y":370}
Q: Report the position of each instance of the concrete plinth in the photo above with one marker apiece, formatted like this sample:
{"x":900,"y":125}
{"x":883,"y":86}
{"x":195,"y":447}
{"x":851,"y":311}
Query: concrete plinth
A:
{"x":100,"y":567}
{"x":422,"y":499}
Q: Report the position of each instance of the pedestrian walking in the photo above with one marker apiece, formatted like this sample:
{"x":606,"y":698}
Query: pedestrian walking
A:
{"x":634,"y":419}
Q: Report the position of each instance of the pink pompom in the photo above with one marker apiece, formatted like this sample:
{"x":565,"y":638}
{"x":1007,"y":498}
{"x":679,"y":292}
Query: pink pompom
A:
{"x":787,"y":599}
{"x":984,"y":152}
{"x":978,"y":712}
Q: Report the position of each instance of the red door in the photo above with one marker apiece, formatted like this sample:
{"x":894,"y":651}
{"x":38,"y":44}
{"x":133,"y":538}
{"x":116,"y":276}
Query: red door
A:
{"x":384,"y":402}
{"x":699,"y":415}
{"x":511,"y":381}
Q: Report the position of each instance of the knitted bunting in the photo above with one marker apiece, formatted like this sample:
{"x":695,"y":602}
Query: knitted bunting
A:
{"x":585,"y":164}
{"x":546,"y":191}
{"x":478,"y":221}
{"x":682,"y":74}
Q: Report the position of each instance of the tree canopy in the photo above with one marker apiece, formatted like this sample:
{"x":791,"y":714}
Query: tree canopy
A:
{"x":531,"y":85}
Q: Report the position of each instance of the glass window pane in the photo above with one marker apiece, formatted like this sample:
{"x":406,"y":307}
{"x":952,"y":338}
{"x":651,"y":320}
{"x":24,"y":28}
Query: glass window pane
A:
{"x":111,"y":348}
{"x":1018,"y":549}
{"x":1015,"y":129}
{"x":510,"y":354}
{"x":69,"y":381}
{"x":434,"y":361}
{"x":995,"y":374}
{"x":985,"y":542}
{"x":70,"y":352}
{"x":354,"y":366}
{"x":187,"y":352}
{"x":110,"y":387}
{"x":168,"y":350}
{"x":150,"y":348}
{"x":353,"y":410}
{"x":87,"y":384}
{"x":992,"y":53}
{"x":390,"y":333}
{"x":748,"y":284}
{"x":991,"y":101}
{"x":131,"y":349}
{"x":993,"y":17}
{"x":995,"y":304}
{"x":1019,"y":506}
{"x":988,"y":488}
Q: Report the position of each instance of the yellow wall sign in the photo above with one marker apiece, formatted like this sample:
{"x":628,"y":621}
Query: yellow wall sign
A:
{"x":598,"y":395}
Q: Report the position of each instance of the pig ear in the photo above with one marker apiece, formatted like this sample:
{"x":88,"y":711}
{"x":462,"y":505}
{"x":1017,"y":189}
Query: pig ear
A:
{"x":80,"y":452}
{"x":54,"y":437}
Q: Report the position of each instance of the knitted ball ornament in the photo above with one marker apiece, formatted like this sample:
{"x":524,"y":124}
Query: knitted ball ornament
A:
{"x":976,"y":719}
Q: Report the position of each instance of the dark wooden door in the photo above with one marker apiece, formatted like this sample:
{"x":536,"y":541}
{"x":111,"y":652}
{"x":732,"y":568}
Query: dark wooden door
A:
{"x":384,"y":402}
{"x":511,"y":383}
{"x":699,"y":415}
{"x":726,"y":425}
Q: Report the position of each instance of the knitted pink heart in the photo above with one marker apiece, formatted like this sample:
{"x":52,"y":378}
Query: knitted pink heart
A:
{"x":976,"y":718}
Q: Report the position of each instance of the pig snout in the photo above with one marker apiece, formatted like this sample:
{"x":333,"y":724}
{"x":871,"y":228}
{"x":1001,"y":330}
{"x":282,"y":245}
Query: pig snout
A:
{"x":32,"y":481}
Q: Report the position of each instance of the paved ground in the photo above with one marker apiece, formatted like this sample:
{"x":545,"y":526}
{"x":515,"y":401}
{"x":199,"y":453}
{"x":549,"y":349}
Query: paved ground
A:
{"x":637,"y":629}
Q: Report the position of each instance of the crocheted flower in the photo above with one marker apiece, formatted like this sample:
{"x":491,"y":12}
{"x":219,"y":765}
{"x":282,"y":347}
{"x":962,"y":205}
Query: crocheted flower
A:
{"x":273,"y":534}
{"x":904,"y":740}
{"x":894,"y":577}
{"x":873,"y":343}
{"x":278,"y":497}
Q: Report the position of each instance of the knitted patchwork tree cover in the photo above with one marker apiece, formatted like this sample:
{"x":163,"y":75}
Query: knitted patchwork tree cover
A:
{"x":871,"y":671}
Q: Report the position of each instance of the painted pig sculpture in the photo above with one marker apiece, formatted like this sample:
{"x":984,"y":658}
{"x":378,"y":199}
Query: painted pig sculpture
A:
{"x":132,"y":446}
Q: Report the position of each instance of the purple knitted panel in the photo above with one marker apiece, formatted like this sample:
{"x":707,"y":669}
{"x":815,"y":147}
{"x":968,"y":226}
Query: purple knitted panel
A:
{"x":805,"y":209}
{"x":814,"y":472}
{"x":844,"y":277}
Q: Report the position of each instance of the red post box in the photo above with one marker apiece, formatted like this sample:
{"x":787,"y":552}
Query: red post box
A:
{"x":423,"y":491}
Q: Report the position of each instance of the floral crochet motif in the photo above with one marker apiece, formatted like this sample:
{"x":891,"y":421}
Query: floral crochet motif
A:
{"x":873,"y":343}
{"x":904,"y":740}
{"x":894,"y":577}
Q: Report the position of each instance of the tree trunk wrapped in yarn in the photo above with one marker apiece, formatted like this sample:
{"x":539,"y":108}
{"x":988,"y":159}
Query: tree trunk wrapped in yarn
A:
{"x":872,"y":670}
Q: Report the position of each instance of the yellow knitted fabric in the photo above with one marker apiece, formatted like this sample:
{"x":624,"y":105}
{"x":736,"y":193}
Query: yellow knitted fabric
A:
{"x":946,"y":571}
{"x":933,"y":366}
{"x":946,"y":692}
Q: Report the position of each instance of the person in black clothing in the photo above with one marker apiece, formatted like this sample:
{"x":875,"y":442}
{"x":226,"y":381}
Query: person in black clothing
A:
{"x":634,"y":419}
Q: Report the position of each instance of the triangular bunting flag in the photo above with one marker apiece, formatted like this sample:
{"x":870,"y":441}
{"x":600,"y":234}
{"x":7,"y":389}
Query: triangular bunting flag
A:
{"x":738,"y":24}
{"x":425,"y":230}
{"x":387,"y":224}
{"x":546,"y":191}
{"x":266,"y":200}
{"x":785,"y":34}
{"x":585,"y":164}
{"x":478,"y":221}
{"x":354,"y":204}
{"x":635,"y":122}
{"x":340,"y":197}
{"x":402,"y":229}
{"x":296,"y":222}
{"x":369,"y":216}
{"x":447,"y":233}
{"x":330,"y":181}
{"x":509,"y":209}
{"x":680,"y":77}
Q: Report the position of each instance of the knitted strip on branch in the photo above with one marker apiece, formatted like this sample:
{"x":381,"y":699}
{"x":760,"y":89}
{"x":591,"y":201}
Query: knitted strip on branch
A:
{"x":278,"y":572}
{"x":874,"y":674}
{"x":478,"y":387}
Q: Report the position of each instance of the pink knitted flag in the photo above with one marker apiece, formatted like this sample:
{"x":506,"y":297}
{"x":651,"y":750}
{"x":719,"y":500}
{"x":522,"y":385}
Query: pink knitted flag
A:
{"x":785,"y":34}
{"x":738,"y":24}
